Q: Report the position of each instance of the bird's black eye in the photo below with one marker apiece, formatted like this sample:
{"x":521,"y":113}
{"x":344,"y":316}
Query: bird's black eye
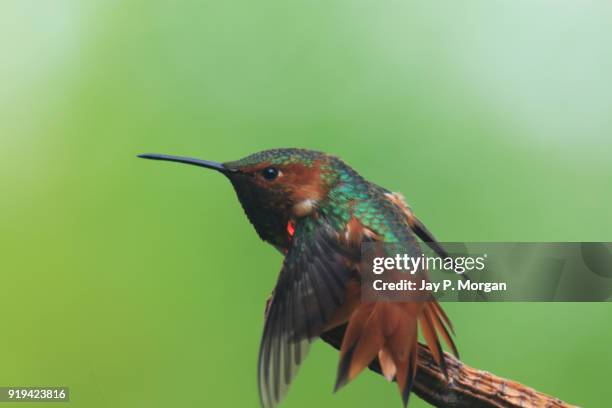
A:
{"x":269,"y":173}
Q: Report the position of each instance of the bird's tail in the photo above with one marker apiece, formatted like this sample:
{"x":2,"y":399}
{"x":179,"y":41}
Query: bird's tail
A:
{"x":389,"y":331}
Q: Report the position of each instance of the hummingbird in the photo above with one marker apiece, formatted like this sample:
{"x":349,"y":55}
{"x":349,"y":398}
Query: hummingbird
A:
{"x":318,"y":211}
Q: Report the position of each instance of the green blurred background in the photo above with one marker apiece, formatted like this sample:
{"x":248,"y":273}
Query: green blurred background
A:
{"x":141,"y":284}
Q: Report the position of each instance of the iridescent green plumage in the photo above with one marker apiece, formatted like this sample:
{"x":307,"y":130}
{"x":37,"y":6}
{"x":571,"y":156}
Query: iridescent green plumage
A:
{"x":278,"y":157}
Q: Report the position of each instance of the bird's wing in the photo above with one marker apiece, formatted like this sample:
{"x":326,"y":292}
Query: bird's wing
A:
{"x":416,"y":225}
{"x":310,"y":288}
{"x":422,"y":232}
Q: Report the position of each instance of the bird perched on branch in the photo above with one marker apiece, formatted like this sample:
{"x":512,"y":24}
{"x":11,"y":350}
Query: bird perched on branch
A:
{"x":318,"y":211}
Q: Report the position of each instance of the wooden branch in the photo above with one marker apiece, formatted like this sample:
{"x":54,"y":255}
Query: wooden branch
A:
{"x":467,"y":387}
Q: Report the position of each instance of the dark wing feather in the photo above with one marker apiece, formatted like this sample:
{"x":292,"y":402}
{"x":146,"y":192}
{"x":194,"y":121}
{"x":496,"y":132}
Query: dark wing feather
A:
{"x":310,"y":288}
{"x":422,"y":232}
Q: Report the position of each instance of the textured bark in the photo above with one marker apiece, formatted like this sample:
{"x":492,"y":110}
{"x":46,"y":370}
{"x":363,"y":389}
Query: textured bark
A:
{"x":466,"y":387}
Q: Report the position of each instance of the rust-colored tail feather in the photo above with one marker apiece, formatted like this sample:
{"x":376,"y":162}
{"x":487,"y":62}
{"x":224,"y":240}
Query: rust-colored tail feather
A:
{"x":431,"y":337}
{"x":389,"y":332}
{"x":443,"y":325}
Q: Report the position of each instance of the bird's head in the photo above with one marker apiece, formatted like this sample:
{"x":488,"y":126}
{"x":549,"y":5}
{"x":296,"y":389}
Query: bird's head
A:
{"x":275,"y":187}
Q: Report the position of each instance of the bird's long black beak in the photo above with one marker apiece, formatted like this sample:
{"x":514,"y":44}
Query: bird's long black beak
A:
{"x":187,"y":160}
